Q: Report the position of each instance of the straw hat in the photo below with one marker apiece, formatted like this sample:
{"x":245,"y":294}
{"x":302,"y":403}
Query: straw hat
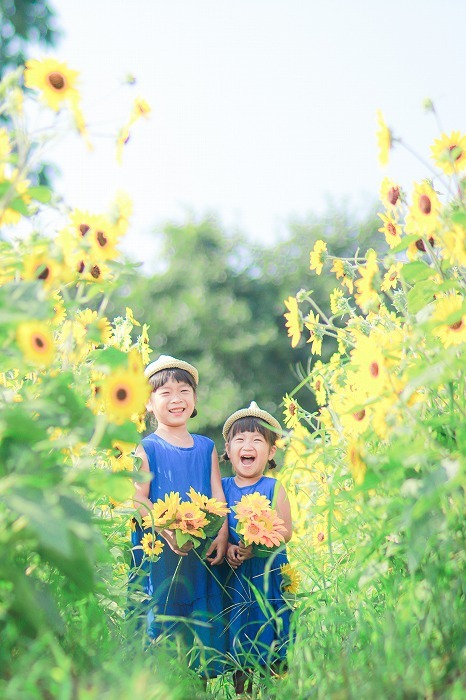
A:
{"x":168,"y":362}
{"x":253,"y":411}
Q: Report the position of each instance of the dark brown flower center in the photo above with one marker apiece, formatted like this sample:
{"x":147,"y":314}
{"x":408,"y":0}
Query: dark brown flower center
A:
{"x":318,"y":385}
{"x":80,"y":266}
{"x":420,"y":245}
{"x":292,"y":409}
{"x":95,"y":272}
{"x":83,"y":229}
{"x":374,"y":369}
{"x":57,"y":81}
{"x":39,"y":342}
{"x":391,"y":228}
{"x":393,"y":194}
{"x":320,"y":536}
{"x":102,"y":240}
{"x":425,"y":205}
{"x":121,"y":394}
{"x":457,"y":326}
{"x":359,"y":415}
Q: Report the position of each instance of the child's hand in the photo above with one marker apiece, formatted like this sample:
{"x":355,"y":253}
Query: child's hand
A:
{"x":170,"y":538}
{"x":216,"y":552}
{"x":244,"y":552}
{"x":232,"y":556}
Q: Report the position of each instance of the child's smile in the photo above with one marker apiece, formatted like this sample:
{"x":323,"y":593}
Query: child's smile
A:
{"x":249,"y":453}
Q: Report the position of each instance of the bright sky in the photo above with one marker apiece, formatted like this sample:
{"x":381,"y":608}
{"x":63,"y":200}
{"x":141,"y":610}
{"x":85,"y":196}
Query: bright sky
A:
{"x":262,"y":110}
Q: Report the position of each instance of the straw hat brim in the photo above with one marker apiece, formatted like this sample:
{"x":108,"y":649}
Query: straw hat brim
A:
{"x":255,"y":412}
{"x":168,"y":362}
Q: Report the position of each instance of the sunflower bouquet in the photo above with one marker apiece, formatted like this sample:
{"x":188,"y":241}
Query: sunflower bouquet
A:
{"x":258,"y":524}
{"x":197,"y":520}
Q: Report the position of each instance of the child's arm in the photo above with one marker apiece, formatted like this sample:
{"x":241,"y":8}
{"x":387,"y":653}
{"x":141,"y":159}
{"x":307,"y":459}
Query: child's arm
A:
{"x":284,"y":512}
{"x":144,"y":505}
{"x":216,"y":552}
{"x":141,"y":490}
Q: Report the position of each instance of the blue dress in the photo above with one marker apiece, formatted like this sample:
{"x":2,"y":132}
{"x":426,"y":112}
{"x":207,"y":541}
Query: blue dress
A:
{"x":258,"y":629}
{"x":177,"y":586}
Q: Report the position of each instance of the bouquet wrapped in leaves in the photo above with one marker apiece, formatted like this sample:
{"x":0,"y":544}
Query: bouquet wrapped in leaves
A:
{"x":197,"y":520}
{"x":258,"y":524}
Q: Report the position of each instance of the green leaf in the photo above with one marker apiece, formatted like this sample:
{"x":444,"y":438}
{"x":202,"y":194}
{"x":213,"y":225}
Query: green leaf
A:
{"x":404,"y":243}
{"x":18,"y":204}
{"x":416,"y":272}
{"x":459,"y":217}
{"x":109,"y":358}
{"x":419,"y":296}
{"x":40,"y":194}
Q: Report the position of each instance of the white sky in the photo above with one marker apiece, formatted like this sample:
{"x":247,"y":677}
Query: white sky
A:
{"x":263,"y":110}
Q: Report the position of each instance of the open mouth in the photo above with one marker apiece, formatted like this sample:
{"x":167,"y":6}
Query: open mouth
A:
{"x":177,"y":411}
{"x":247,"y":460}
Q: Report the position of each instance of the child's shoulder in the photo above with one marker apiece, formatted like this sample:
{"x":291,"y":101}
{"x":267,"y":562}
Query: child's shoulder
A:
{"x":202,"y":440}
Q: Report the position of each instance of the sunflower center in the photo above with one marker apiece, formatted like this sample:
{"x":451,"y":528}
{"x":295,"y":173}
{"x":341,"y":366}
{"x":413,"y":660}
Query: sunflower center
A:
{"x":318,"y":385}
{"x":292,"y":409}
{"x":83,"y":229}
{"x":457,"y":326}
{"x":420,"y":245}
{"x":38,"y":342}
{"x":425,"y":205}
{"x":95,"y":272}
{"x":374,"y":369}
{"x":359,"y":415}
{"x":253,"y":529}
{"x":122,"y":394}
{"x":320,"y":536}
{"x":45,"y":272}
{"x":57,"y":81}
{"x":393,"y":194}
{"x":81,"y":266}
{"x":391,"y":228}
{"x":102,"y":240}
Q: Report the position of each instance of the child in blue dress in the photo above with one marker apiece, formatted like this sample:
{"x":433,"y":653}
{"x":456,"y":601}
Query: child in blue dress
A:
{"x":255,"y":637}
{"x":179,"y":584}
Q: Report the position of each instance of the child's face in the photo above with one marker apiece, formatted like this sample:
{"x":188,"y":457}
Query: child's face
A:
{"x":249,"y":454}
{"x":172,"y":403}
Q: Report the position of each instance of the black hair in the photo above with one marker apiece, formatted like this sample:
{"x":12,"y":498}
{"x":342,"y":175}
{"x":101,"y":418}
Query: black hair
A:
{"x":178,"y":375}
{"x":251,"y":424}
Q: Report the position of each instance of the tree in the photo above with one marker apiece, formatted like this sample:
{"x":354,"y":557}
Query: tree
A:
{"x":24,"y":22}
{"x":217,"y":301}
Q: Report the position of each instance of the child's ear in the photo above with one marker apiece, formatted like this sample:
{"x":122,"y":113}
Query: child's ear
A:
{"x":272,"y":451}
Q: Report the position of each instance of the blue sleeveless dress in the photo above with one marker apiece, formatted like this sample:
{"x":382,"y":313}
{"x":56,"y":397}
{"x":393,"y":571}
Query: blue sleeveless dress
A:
{"x":177,"y":586}
{"x":258,"y":631}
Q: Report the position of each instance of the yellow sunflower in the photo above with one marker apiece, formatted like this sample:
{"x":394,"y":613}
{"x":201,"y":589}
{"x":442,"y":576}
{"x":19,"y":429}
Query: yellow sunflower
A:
{"x":336,"y":298}
{"x":391,"y":277}
{"x":17,"y":199}
{"x":384,"y":139}
{"x":316,"y":333}
{"x":103,"y":237}
{"x":369,"y":360}
{"x":357,"y":465}
{"x":423,"y":214}
{"x":151,"y":546}
{"x":124,"y":394}
{"x":391,"y":229}
{"x":450,"y":319}
{"x":121,"y":456}
{"x":454,"y":242}
{"x":81,"y":222}
{"x":318,"y":256}
{"x":291,"y":412}
{"x":58,"y":308}
{"x":40,"y":266}
{"x":449,"y":152}
{"x":320,"y":535}
{"x":163,"y":513}
{"x":141,"y":108}
{"x":390,"y":194}
{"x":367,"y":297}
{"x":291,"y":578}
{"x":293,"y":321}
{"x":36,"y":342}
{"x":55,"y":80}
{"x":345,"y":272}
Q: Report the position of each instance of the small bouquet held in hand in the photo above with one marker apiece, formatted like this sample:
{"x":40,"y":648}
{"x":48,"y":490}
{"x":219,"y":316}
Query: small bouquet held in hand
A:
{"x":197,"y":520}
{"x":259,"y":524}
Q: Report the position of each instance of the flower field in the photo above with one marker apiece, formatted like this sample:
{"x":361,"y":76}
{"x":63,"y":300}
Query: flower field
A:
{"x":376,"y":474}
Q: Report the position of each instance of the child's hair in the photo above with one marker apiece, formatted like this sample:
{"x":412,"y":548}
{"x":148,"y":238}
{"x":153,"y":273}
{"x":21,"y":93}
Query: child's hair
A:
{"x":250,"y":424}
{"x":178,"y":375}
